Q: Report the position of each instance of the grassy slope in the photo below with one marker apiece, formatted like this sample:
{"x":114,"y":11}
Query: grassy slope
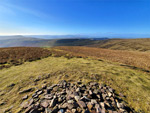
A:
{"x":130,"y":58}
{"x":134,"y":84}
{"x":125,"y":44}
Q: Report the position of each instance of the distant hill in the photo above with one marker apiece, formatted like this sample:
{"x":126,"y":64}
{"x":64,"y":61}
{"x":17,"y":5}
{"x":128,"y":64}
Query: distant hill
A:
{"x":15,"y":41}
{"x":141,"y":44}
{"x":66,"y":37}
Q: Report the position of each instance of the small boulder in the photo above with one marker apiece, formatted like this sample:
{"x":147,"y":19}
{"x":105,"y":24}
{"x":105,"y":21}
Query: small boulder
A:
{"x":44,"y":104}
{"x":81,"y":104}
{"x":11,"y":85}
{"x":93,"y":101}
{"x":53,"y":102}
{"x":25,"y":97}
{"x":90,"y":105}
{"x":70,"y":101}
{"x":26,"y":90}
{"x":61,"y":111}
{"x":98,"y":109}
{"x":77,"y":98}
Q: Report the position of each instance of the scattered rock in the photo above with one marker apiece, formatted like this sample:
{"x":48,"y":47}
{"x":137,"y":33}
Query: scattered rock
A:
{"x":77,"y":98}
{"x":28,"y":109}
{"x":11,"y":85}
{"x":44,"y":104}
{"x":31,"y":101}
{"x":102,"y":104}
{"x":93,"y":101}
{"x":86,"y":111}
{"x":120,"y":94}
{"x":65,"y":105}
{"x":78,"y":90}
{"x":39,"y":92}
{"x":8,"y":110}
{"x":90,"y":105}
{"x":74,"y":98}
{"x":70,"y":101}
{"x":2,"y":103}
{"x":98,"y":109}
{"x":26,"y":90}
{"x":53,"y":102}
{"x":24,"y":105}
{"x":74,"y":111}
{"x":25,"y":97}
{"x":61,"y":111}
{"x":44,"y":86}
{"x":82,"y":104}
{"x":70,"y":106}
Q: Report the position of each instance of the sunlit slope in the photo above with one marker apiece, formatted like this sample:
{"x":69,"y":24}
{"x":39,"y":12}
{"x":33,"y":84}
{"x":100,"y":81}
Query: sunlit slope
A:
{"x":142,"y":44}
{"x":132,"y":83}
{"x":132,"y":59}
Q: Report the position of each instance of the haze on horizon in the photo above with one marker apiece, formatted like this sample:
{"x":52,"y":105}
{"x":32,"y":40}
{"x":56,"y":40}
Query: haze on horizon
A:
{"x":82,"y":17}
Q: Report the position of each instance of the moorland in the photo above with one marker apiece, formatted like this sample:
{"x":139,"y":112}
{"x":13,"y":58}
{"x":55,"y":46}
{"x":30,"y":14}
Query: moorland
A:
{"x":125,"y":69}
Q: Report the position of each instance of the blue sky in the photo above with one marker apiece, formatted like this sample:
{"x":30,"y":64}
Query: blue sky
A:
{"x":85,"y":17}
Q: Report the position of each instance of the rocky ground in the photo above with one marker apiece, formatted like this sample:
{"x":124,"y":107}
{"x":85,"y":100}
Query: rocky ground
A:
{"x":67,"y":97}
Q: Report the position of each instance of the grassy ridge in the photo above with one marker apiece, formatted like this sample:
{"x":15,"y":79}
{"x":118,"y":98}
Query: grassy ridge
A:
{"x":135,"y":59}
{"x":134,"y":84}
{"x":125,"y":44}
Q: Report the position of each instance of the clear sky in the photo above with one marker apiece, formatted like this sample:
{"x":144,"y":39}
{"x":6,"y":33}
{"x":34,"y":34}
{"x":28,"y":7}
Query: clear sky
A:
{"x":56,"y":17}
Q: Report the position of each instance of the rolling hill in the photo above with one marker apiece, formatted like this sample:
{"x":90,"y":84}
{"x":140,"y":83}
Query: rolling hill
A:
{"x":141,"y":44}
{"x":18,"y":41}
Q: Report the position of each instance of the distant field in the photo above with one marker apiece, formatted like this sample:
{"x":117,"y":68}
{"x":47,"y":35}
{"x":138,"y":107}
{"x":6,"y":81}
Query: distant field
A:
{"x":19,"y":55}
{"x":142,"y":44}
{"x":130,"y":58}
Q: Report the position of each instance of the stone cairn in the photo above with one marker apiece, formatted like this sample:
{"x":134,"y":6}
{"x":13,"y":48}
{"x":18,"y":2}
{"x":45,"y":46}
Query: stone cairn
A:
{"x":67,"y":97}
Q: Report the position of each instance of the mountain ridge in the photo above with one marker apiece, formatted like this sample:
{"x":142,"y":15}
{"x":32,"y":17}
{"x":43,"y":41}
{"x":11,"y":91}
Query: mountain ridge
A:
{"x":17,"y":41}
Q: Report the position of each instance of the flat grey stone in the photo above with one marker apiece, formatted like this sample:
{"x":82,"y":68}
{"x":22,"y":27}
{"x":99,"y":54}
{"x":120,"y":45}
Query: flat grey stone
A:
{"x":26,"y":90}
{"x":44,"y":104}
{"x":25,"y":97}
{"x":53,"y":102}
{"x":77,"y":98}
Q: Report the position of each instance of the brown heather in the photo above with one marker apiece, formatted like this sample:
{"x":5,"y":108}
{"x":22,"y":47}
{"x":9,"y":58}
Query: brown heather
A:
{"x":139,"y":44}
{"x":18,"y":55}
{"x":130,"y":58}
